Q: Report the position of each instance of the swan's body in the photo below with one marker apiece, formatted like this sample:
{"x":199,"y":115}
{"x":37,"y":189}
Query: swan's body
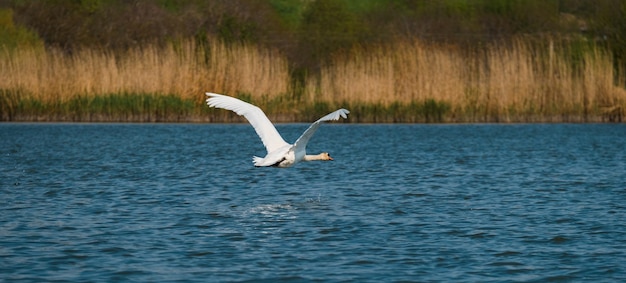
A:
{"x":279,"y":152}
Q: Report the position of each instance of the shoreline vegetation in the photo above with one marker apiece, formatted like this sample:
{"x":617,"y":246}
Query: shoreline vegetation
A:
{"x":528,"y":80}
{"x":448,"y":61}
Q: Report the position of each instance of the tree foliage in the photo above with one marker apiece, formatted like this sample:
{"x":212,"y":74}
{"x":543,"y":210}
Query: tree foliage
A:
{"x":326,"y":26}
{"x":308,"y":31}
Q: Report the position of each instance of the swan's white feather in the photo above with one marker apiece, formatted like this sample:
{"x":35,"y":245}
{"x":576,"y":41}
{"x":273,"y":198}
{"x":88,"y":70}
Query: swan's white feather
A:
{"x":262,"y":125}
{"x":301,"y":142}
{"x":274,"y":157}
{"x":278,"y":150}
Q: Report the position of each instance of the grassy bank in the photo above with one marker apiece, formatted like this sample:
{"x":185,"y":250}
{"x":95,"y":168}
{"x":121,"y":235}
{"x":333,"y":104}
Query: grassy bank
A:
{"x":528,"y":80}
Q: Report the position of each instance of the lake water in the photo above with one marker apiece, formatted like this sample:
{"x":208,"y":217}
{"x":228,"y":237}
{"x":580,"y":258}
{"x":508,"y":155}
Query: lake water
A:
{"x":423,"y":203}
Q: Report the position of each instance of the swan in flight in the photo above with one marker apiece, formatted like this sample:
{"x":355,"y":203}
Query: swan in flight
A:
{"x":279,"y":152}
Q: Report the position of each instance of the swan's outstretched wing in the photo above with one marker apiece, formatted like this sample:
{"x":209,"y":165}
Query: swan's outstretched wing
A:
{"x":300,"y":144}
{"x":262,"y":125}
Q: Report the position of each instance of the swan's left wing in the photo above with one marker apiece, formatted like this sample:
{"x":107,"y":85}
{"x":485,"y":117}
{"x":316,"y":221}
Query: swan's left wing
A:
{"x":300,"y":144}
{"x":259,"y":121}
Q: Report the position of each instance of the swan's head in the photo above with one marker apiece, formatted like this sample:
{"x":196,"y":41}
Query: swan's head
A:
{"x":325,"y":156}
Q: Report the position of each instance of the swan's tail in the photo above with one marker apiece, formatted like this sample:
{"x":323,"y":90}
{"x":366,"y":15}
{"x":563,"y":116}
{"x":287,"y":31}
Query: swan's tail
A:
{"x":257,"y":161}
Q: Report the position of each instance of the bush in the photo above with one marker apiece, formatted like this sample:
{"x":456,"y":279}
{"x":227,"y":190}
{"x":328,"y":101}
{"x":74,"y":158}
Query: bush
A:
{"x":12,"y":36}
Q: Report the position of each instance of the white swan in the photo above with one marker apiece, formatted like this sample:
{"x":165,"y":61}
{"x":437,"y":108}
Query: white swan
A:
{"x":279,"y":152}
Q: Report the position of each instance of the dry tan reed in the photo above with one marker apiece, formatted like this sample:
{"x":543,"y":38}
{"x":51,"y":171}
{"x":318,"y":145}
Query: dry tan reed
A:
{"x":522,"y":81}
{"x":517,"y":82}
{"x":182,"y":69}
{"x":404,"y":73}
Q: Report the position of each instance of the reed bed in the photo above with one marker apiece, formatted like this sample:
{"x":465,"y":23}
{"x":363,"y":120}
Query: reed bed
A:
{"x":42,"y":85}
{"x":519,"y":82}
{"x":522,"y":81}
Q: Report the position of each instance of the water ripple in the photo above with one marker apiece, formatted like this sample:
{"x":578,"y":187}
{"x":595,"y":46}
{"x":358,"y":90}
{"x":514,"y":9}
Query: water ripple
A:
{"x":414,"y":203}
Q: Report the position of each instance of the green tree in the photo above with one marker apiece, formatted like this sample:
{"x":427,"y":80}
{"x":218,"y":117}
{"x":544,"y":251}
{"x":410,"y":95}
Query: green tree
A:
{"x":327,"y":26}
{"x":12,"y":36}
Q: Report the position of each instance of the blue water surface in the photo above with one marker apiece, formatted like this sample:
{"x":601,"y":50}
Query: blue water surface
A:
{"x":411,"y":203}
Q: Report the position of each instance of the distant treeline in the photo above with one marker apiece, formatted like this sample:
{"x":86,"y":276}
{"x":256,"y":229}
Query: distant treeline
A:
{"x":308,"y":31}
{"x":387,"y":60}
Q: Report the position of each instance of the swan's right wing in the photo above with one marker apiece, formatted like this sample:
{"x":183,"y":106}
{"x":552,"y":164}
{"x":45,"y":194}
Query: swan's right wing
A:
{"x":259,"y":121}
{"x":300,"y":144}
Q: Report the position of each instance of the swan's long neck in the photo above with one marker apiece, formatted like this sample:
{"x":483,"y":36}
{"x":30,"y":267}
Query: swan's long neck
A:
{"x":312,"y":157}
{"x":321,"y":156}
